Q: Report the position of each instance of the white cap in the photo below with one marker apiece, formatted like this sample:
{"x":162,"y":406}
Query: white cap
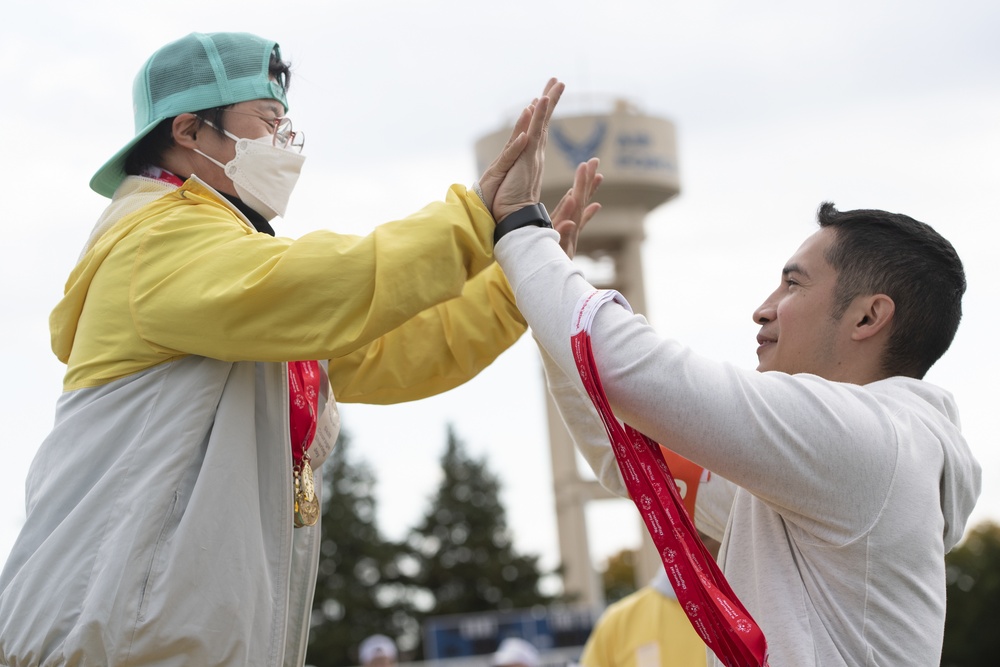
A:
{"x":516,"y":651}
{"x":374,"y":646}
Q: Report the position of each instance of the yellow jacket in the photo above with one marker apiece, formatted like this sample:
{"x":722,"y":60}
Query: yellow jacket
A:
{"x":159,"y":507}
{"x":185,"y":274}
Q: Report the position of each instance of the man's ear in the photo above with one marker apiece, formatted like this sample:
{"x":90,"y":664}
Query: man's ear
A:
{"x":873,"y":315}
{"x":185,"y":130}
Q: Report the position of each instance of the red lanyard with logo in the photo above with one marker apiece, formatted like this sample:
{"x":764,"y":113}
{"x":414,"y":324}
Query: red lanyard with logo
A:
{"x":303,"y":405}
{"x":303,"y":400}
{"x":715,"y":612}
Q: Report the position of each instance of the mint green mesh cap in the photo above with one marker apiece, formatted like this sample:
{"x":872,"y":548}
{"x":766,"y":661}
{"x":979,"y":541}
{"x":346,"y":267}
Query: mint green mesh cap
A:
{"x":200,"y":71}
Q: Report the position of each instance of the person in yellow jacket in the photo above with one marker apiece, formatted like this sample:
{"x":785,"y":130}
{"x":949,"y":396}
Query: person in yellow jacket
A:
{"x":172,"y":510}
{"x":645,"y":629}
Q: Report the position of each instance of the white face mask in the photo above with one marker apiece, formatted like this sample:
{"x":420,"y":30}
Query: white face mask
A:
{"x":263,"y":174}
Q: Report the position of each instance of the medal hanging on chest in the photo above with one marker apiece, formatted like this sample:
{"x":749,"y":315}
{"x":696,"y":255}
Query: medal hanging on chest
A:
{"x":306,"y":502}
{"x":303,"y":394}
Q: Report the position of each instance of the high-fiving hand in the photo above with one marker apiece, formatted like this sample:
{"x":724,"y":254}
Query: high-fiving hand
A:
{"x":514,"y":179}
{"x":575,"y":209}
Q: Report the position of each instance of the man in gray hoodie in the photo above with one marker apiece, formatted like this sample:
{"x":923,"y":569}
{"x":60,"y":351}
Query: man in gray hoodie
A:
{"x":853,"y":478}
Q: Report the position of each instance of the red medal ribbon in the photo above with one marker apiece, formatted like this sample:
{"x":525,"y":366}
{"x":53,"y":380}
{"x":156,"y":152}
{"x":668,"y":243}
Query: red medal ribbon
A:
{"x":158,"y":174}
{"x":715,"y":612}
{"x":303,"y":406}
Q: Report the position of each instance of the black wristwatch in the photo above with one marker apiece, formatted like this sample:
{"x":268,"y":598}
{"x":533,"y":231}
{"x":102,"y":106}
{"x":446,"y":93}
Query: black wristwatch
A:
{"x":535,"y":214}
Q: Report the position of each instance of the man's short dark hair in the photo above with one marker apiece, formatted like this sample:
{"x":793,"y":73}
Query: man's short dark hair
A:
{"x":150,"y":149}
{"x":876,"y":252}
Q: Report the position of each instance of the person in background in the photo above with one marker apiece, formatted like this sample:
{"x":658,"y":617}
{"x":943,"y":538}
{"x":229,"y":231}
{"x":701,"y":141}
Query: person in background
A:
{"x":172,"y":510}
{"x":647,"y":628}
{"x":377,"y":651}
{"x":515,"y":652}
{"x":854,"y":479}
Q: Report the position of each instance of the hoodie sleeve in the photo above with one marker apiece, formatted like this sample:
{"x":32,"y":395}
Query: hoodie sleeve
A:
{"x":715,"y":494}
{"x":799,"y":443}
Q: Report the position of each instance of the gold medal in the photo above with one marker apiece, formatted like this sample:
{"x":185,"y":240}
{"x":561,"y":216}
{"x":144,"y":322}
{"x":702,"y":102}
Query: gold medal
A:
{"x":308,"y":485}
{"x":306,"y":502}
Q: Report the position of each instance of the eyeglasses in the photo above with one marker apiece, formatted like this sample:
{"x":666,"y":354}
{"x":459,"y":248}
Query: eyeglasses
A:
{"x":282,"y":134}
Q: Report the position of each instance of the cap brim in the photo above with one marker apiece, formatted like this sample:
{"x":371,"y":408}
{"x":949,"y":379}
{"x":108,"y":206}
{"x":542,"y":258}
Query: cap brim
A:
{"x":112,"y":173}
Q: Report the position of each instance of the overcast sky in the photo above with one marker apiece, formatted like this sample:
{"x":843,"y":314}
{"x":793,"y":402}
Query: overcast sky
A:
{"x":778,"y":107}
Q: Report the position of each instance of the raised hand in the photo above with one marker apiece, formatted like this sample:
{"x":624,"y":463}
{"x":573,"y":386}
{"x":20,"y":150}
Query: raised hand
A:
{"x":575,"y":209}
{"x":514,"y":179}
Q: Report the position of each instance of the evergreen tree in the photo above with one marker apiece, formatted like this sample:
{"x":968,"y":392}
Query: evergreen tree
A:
{"x":467,"y":557}
{"x":360,"y":590}
{"x":619,"y":576}
{"x":970,"y":628}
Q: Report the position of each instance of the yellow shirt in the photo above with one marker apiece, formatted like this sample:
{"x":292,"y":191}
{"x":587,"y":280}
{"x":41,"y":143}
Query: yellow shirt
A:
{"x":644,"y":629}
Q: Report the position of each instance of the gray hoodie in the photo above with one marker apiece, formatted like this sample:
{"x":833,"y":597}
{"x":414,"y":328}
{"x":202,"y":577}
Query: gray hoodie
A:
{"x":849,"y":496}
